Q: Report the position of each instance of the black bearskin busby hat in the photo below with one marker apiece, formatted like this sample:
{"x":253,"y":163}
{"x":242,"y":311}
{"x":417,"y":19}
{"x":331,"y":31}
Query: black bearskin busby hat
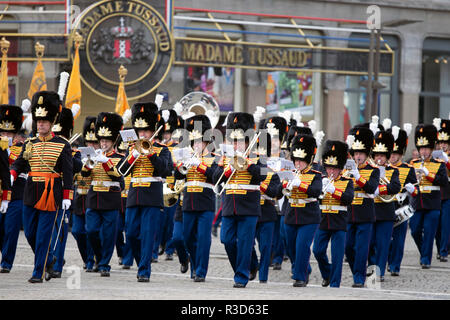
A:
{"x":384,"y":143}
{"x":11,"y":118}
{"x":64,"y":123}
{"x":293,"y":132}
{"x":304,"y":147}
{"x":89,"y":129}
{"x":145,"y":116}
{"x":363,"y":140}
{"x":197,"y":126}
{"x":108,"y":126}
{"x":238,"y":124}
{"x":425,"y":136}
{"x":45,"y":105}
{"x":444,"y":131}
{"x":334,"y":154}
{"x":177,"y":133}
{"x":401,"y":138}
{"x":172,"y":123}
{"x":264,"y":140}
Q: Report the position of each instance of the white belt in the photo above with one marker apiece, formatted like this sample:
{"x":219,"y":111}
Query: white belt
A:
{"x":299,"y":201}
{"x":106,"y":183}
{"x":242,"y":186}
{"x":266,"y":197}
{"x":429,"y":188}
{"x":364,"y":195}
{"x":23,"y":175}
{"x":332,"y":208}
{"x":198,"y":184}
{"x":147,"y":179}
{"x":82,"y":191}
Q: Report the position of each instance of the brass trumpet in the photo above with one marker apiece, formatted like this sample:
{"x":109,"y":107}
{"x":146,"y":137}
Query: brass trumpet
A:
{"x":184,"y":168}
{"x":170,"y":195}
{"x":388,"y":197}
{"x":287,"y":191}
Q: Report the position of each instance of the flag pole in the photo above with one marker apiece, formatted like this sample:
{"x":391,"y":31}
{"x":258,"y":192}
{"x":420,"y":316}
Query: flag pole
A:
{"x":4,"y":90}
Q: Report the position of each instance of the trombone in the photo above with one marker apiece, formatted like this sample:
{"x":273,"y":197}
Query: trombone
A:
{"x":327,"y":185}
{"x":142,"y":146}
{"x":74,"y":138}
{"x":184,"y":168}
{"x":287,"y":191}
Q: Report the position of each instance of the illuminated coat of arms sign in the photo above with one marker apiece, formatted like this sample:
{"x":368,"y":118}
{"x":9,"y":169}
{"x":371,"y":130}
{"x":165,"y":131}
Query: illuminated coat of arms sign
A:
{"x":129,"y":33}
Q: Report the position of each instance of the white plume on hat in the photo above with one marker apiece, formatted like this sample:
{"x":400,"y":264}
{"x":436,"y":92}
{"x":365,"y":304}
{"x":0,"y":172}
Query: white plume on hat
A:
{"x":165,"y":115}
{"x":395,"y":132}
{"x":408,"y":128}
{"x":297,"y":116}
{"x":319,"y":137}
{"x":375,"y":119}
{"x":26,"y":104}
{"x":373,"y":127}
{"x":159,"y":100}
{"x":75,"y":108}
{"x":63,"y":79}
{"x":437,"y":123}
{"x":286,"y":115}
{"x":259,"y":114}
{"x":126,"y":116}
{"x":178,"y":108}
{"x":350,"y":140}
{"x":387,"y":123}
{"x":27,"y":122}
{"x":312,"y":124}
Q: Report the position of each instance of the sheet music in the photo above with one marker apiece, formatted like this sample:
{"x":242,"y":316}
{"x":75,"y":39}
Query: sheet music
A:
{"x":350,"y":165}
{"x":128,"y":135}
{"x":438,"y":154}
{"x":87,"y":151}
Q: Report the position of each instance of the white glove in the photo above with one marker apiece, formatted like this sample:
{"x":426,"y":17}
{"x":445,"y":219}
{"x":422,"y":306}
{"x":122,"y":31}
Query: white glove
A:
{"x":101,"y":158}
{"x":355,"y":174}
{"x":325,"y":181}
{"x":377,"y":192}
{"x":66,"y":204}
{"x":195,"y":162}
{"x":4,"y":206}
{"x":12,"y":180}
{"x":330,"y":189}
{"x":135,"y":153}
{"x":409,"y":187}
{"x":423,"y":170}
{"x":296,"y":182}
{"x":444,"y":156}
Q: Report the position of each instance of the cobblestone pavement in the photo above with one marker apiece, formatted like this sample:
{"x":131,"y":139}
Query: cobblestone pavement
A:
{"x":168,"y":283}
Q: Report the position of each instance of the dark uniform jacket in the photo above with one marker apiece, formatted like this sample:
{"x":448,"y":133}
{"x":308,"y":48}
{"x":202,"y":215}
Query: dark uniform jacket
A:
{"x":298,"y":212}
{"x":386,"y":211}
{"x":429,"y":197}
{"x":270,"y":192}
{"x":332,"y":219}
{"x":48,"y":161}
{"x":362,"y":209}
{"x":158,"y":165}
{"x":406,"y":175}
{"x":101,"y":196}
{"x":238,"y":200}
{"x":197,"y":197}
{"x":445,"y":191}
{"x":19,"y":184}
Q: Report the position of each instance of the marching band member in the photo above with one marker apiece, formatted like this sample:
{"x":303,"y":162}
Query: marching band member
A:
{"x":79,"y":206}
{"x":389,"y":185}
{"x":48,"y":158}
{"x":361,"y":213}
{"x":338,"y":194}
{"x":123,"y":247}
{"x":432,"y":177}
{"x":270,"y":193}
{"x":302,"y":216}
{"x":408,"y":180}
{"x":148,"y":167}
{"x":104,"y":195}
{"x":11,"y":220}
{"x":198,"y":196}
{"x":241,"y":202}
{"x":63,"y":128}
{"x":443,"y":231}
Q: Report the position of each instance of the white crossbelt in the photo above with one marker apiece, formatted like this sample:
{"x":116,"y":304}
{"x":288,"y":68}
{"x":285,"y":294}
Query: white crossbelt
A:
{"x":364,"y":195}
{"x":105,"y":183}
{"x":147,"y":179}
{"x":332,"y":208}
{"x":242,"y":186}
{"x":300,"y":201}
{"x":23,"y":175}
{"x":430,"y":188}
{"x":198,"y":184}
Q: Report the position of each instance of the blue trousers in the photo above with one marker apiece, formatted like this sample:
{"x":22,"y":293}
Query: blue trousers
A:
{"x":159,"y":220}
{"x":237,"y":234}
{"x":141,"y":224}
{"x":279,"y":240}
{"x":123,"y":247}
{"x":397,"y":247}
{"x":443,"y":231}
{"x":38,"y":227}
{"x":357,"y":249}
{"x":10,"y":224}
{"x":264,"y":236}
{"x":424,"y":224}
{"x":177,"y":242}
{"x":197,"y":236}
{"x":59,"y":241}
{"x":168,"y":225}
{"x":379,"y":245}
{"x":299,"y":240}
{"x":330,"y":271}
{"x":80,"y":235}
{"x":101,"y":229}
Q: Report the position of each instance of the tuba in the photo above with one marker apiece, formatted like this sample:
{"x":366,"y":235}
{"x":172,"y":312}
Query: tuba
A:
{"x":196,"y":103}
{"x":389,"y":197}
{"x":170,"y":195}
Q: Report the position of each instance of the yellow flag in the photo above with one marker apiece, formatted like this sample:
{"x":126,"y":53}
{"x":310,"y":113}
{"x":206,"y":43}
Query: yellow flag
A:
{"x":38,"y":82}
{"x":4,"y":92}
{"x":121,"y":101}
{"x":73,"y":94}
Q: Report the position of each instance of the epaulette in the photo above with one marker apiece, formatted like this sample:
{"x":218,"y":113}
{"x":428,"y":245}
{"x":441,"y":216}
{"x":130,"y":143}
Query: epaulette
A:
{"x":4,"y":143}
